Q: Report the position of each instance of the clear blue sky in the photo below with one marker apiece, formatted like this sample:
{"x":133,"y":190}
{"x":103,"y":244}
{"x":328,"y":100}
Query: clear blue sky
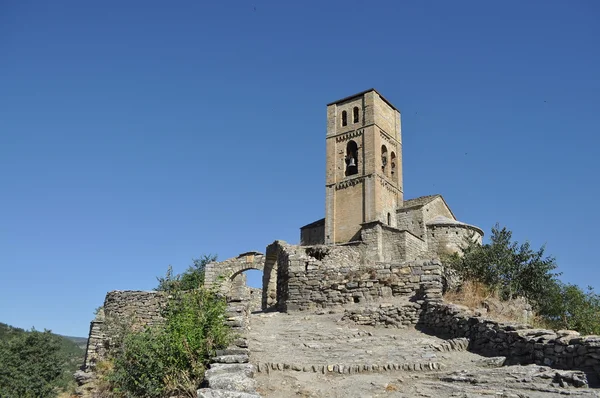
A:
{"x":138,"y":134}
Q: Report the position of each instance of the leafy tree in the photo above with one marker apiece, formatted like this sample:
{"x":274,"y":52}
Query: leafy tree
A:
{"x":570,"y":307}
{"x":514,"y":270}
{"x":30,"y":365}
{"x":192,"y":278}
{"x":510,"y":268}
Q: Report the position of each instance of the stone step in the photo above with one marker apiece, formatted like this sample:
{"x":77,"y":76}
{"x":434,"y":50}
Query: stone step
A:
{"x":233,"y":351}
{"x":240,"y":342}
{"x":232,"y":382}
{"x":211,"y":393}
{"x":220,"y":368}
{"x":241,"y":358}
{"x":234,"y":322}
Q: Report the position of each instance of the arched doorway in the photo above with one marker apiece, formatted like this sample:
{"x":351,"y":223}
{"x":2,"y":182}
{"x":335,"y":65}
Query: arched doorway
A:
{"x":246,"y":285}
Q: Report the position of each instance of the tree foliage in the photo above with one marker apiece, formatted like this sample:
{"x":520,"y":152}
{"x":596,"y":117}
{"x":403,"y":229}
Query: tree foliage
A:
{"x":512,"y":269}
{"x":516,"y":270}
{"x":30,"y":365}
{"x":192,"y":278}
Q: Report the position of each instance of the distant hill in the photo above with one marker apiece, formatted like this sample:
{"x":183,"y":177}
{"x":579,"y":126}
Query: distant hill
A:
{"x":80,"y":341}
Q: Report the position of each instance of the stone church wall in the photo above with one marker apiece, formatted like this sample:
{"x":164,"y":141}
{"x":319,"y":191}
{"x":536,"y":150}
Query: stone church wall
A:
{"x":313,"y":234}
{"x":446,"y":239}
{"x":388,"y":244}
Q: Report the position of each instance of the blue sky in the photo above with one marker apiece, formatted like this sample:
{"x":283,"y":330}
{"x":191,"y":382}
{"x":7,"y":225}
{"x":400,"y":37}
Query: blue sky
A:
{"x":138,"y":134}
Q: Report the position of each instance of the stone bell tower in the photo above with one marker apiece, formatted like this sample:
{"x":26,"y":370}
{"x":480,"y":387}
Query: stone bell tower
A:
{"x":363,"y":165}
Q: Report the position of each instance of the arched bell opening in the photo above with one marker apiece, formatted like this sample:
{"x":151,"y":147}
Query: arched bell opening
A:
{"x":384,"y":160}
{"x":351,"y":158}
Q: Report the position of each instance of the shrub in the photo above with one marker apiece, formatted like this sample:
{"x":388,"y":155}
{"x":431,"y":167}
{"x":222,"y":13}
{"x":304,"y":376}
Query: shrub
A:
{"x":170,"y":359}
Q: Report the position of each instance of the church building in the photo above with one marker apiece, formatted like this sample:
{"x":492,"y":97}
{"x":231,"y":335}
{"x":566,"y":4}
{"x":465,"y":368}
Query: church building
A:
{"x":364,"y":195}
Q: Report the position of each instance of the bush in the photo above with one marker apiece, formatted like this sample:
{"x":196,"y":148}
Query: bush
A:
{"x":170,"y":359}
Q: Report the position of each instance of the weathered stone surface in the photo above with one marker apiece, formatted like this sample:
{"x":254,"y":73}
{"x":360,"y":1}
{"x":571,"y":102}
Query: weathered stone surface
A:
{"x":220,"y":368}
{"x":232,"y":382}
{"x":212,"y":393}
{"x":240,"y":358}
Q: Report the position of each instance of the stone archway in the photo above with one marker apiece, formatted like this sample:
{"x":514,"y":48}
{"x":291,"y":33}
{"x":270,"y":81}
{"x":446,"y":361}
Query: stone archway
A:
{"x":274,"y":266}
{"x":224,"y":275}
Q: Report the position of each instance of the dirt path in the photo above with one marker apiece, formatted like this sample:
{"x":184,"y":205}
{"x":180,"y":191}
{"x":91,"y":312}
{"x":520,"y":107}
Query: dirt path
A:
{"x":310,"y":355}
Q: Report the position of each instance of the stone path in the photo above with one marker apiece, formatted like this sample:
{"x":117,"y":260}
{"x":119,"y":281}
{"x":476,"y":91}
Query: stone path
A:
{"x":310,"y":355}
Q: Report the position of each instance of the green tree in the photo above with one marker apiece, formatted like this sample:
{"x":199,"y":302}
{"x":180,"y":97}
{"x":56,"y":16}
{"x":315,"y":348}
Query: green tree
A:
{"x":510,"y":268}
{"x":514,"y":270}
{"x":570,"y":307}
{"x":30,"y":365}
{"x":192,"y":278}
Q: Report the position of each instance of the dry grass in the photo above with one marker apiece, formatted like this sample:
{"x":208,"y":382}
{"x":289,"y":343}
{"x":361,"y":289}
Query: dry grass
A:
{"x":391,"y":387}
{"x":478,"y":296}
{"x":470,"y":294}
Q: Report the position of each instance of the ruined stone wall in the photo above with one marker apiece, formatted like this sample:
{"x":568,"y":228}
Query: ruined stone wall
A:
{"x":122,"y":308}
{"x":141,"y":308}
{"x":311,"y":284}
{"x":520,"y":344}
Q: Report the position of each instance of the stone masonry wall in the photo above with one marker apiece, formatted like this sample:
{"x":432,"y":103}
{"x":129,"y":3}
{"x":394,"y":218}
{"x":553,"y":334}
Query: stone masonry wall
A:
{"x":311,"y":284}
{"x":389,"y":244}
{"x":137,"y":309}
{"x":446,"y":239}
{"x":313,"y":234}
{"x":520,"y":344}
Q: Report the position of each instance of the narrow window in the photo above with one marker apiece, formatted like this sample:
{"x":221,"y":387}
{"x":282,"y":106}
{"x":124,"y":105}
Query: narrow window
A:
{"x":389,"y":219}
{"x":351,"y":158}
{"x":355,"y":115}
{"x":344,"y":118}
{"x":393,"y":163}
{"x":384,"y":159}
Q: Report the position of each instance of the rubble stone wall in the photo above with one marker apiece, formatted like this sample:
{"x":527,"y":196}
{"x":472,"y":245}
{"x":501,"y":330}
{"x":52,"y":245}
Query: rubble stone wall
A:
{"x":312,"y":284}
{"x":520,"y":344}
{"x":137,"y":309}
